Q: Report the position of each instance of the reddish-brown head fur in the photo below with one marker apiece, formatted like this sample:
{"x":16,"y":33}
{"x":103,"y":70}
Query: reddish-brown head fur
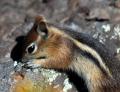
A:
{"x":53,"y":48}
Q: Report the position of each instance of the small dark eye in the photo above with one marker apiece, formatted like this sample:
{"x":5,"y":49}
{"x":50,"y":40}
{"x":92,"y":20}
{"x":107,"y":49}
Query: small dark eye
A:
{"x":31,"y":48}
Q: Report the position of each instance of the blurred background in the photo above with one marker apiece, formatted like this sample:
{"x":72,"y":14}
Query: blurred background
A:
{"x":99,"y":18}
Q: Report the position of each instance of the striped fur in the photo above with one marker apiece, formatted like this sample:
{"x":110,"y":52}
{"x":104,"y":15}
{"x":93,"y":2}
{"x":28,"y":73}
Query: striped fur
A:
{"x":88,"y":64}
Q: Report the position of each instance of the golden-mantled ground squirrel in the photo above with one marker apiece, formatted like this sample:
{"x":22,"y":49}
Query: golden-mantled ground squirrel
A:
{"x":49,"y":47}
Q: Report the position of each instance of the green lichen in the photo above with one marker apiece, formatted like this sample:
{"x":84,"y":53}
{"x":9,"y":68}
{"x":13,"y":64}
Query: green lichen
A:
{"x":51,"y":75}
{"x":67,"y":85}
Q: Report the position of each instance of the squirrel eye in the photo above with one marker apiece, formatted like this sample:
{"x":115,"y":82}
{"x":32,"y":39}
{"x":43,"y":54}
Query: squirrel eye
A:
{"x":32,"y":48}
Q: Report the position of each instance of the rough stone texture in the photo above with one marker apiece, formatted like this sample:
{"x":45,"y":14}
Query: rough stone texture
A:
{"x":80,"y":15}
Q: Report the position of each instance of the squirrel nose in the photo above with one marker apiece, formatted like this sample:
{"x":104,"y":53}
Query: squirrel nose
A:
{"x":25,"y":58}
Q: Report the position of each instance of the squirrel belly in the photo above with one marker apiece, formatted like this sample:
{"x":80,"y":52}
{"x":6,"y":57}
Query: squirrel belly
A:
{"x":49,"y":46}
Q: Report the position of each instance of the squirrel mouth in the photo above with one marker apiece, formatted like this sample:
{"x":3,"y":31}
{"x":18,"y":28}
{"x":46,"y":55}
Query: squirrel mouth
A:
{"x":42,"y":57}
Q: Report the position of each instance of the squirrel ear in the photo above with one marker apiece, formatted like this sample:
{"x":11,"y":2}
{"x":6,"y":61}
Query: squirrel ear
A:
{"x":39,"y":19}
{"x":41,"y":27}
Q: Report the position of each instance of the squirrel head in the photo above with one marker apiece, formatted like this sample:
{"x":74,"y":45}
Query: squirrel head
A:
{"x":47,"y":46}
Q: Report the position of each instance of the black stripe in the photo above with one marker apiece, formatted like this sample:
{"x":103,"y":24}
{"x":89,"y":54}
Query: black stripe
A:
{"x":92,"y":58}
{"x":41,"y":57}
